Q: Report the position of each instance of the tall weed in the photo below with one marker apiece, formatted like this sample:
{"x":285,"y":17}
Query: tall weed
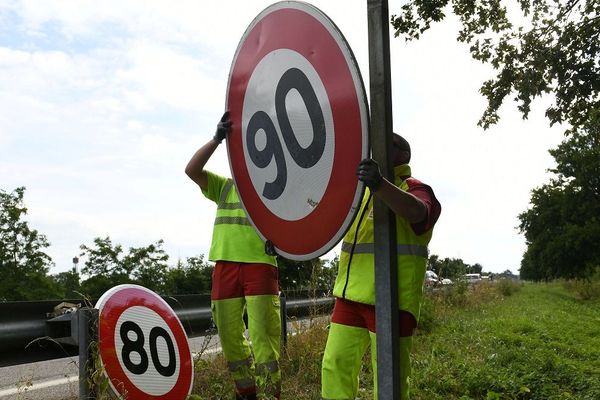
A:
{"x":440,"y":304}
{"x":507,"y":287}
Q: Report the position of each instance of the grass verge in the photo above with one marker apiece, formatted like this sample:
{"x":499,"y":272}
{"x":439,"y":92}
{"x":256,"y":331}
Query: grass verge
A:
{"x":489,"y":341}
{"x":540,"y":342}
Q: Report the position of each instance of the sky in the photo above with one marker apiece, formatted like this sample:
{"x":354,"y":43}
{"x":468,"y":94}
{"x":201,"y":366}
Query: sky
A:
{"x":103,"y":104}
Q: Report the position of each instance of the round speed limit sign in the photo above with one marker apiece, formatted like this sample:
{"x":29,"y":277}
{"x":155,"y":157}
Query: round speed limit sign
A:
{"x":143,"y":346}
{"x":300,"y":129}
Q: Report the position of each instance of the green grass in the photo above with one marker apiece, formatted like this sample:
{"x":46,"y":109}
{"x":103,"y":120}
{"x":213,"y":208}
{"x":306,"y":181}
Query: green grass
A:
{"x":538,"y":343}
{"x":491,"y":341}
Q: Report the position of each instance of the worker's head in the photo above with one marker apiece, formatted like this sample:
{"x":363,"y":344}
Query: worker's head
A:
{"x":401,"y":150}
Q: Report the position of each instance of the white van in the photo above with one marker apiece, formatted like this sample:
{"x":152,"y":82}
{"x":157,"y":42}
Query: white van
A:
{"x":431,"y":278}
{"x":473,"y":277}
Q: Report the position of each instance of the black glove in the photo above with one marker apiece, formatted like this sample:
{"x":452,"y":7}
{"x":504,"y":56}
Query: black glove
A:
{"x":223,"y":128}
{"x":270,"y":248}
{"x":368,"y":172}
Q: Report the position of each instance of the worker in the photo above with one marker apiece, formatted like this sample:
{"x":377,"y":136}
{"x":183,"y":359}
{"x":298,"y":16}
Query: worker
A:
{"x":245,"y":277}
{"x":352,"y":327}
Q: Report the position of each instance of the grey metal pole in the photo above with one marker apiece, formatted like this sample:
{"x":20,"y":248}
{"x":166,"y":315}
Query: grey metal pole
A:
{"x":87,"y":328}
{"x":386,"y":273}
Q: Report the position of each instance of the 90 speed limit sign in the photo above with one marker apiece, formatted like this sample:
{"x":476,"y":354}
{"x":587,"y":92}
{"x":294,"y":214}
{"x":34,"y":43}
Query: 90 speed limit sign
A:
{"x":300,"y":129}
{"x":143,"y":346}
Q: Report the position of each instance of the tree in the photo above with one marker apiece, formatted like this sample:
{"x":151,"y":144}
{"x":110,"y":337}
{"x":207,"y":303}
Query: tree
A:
{"x":148,"y":266}
{"x":313,"y":274}
{"x":24,"y":265}
{"x":562,"y":225}
{"x":452,"y":268}
{"x":474,"y":269}
{"x":294,"y":275}
{"x":108,"y":267}
{"x":558,"y":51}
{"x":192,"y":277}
{"x":328,"y":273}
{"x":433,"y":263}
{"x":68,"y":284}
{"x":104,"y":267}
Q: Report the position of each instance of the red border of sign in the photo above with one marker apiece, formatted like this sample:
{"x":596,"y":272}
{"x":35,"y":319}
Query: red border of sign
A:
{"x":124,"y":297}
{"x":300,"y":31}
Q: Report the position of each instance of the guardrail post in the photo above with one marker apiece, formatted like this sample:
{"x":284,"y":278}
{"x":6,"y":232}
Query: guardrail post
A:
{"x":283,"y":314}
{"x":87,"y":328}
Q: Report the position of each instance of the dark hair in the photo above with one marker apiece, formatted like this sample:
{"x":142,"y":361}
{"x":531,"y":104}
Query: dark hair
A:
{"x":403,"y":145}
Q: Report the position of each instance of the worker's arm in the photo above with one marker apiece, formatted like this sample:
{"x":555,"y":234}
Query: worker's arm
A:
{"x":195,"y":167}
{"x":400,"y":202}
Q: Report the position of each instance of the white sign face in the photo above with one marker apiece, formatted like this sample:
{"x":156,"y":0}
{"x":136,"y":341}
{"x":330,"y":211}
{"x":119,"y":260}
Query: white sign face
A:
{"x":299,"y":129}
{"x":301,"y":155}
{"x":143,"y":346}
{"x":147,"y":350}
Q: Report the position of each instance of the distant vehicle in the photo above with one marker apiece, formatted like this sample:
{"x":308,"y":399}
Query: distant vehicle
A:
{"x":446,"y":281}
{"x":473,"y":277}
{"x":431,"y":278}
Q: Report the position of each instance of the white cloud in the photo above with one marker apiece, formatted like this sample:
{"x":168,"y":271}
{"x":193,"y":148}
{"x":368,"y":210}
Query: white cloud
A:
{"x":165,"y":76}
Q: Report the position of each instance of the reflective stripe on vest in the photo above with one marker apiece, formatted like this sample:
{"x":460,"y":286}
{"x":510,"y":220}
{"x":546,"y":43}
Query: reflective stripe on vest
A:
{"x":401,"y":249}
{"x":355,"y":280}
{"x":225,"y":192}
{"x":232,"y":221}
{"x":227,"y":206}
{"x":230,"y":206}
{"x":222,"y":205}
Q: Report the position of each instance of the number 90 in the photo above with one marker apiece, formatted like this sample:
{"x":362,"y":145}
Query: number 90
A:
{"x":307,"y":157}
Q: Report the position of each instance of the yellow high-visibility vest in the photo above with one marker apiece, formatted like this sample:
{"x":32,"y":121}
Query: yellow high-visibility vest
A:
{"x":234,"y":238}
{"x":357,"y":283}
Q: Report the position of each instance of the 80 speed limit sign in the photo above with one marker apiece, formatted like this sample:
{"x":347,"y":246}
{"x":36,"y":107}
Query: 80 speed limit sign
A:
{"x":143,"y":346}
{"x":300,"y":128}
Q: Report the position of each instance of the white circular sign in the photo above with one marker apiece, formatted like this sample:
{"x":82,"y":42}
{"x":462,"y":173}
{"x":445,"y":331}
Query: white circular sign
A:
{"x":300,"y":127}
{"x":143,"y":346}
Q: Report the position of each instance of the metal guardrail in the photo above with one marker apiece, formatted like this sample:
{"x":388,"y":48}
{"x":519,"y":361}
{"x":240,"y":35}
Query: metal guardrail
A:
{"x":29,"y":331}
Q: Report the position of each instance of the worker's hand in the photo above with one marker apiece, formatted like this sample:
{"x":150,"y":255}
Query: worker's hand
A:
{"x":223,"y":128}
{"x":368,"y":172}
{"x":270,"y":248}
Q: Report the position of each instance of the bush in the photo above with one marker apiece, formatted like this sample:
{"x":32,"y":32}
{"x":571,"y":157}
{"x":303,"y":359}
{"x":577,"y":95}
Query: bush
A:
{"x":585,"y":289}
{"x":507,"y":287}
{"x":464,"y":295}
{"x":428,"y":318}
{"x":457,"y":295}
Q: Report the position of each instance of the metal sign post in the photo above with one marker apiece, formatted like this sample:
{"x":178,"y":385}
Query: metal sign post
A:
{"x":386,"y":273}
